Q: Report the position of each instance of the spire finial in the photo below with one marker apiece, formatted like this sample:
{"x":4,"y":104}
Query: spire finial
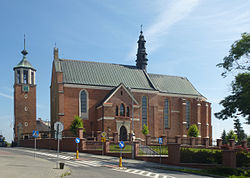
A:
{"x":24,"y":52}
{"x":141,"y":28}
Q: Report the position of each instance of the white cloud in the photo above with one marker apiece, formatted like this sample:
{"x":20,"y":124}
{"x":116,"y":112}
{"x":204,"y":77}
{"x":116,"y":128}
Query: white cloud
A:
{"x":6,"y":96}
{"x":177,"y":11}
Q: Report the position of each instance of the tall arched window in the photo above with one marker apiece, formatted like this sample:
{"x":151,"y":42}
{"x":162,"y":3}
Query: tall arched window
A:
{"x":116,"y":110}
{"x":166,"y":111}
{"x":122,"y":110}
{"x":127,"y":111}
{"x":188,"y":113}
{"x":84,"y":104}
{"x":144,"y":110}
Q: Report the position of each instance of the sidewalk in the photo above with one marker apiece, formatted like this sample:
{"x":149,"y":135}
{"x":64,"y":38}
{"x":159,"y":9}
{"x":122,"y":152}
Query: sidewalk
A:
{"x":21,"y":166}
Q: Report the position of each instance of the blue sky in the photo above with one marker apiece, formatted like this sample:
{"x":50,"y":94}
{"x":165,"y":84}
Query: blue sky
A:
{"x":184,"y":38}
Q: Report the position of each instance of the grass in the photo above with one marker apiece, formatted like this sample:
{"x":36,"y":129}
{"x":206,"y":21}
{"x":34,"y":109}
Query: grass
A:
{"x":160,"y":150}
{"x":117,"y":149}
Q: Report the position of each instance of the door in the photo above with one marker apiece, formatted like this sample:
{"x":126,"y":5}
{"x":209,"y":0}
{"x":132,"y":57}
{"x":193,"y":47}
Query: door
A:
{"x":123,"y":134}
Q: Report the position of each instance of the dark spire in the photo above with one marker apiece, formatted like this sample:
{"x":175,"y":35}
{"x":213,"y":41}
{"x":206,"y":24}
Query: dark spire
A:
{"x":24,"y":52}
{"x":141,"y":61}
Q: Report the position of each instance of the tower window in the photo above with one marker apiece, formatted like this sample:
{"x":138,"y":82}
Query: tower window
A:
{"x":122,"y":110}
{"x":127,"y":112}
{"x":32,"y":78}
{"x":188,"y":113}
{"x":18,"y":76}
{"x":166,"y":111}
{"x":25,"y":77}
{"x":116,"y":110}
{"x":144,"y":110}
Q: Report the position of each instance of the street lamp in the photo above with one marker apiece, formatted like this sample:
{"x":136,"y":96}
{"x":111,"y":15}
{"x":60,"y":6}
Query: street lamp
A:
{"x":132,"y":110}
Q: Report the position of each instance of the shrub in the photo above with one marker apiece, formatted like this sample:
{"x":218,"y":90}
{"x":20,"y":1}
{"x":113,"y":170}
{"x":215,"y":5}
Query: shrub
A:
{"x":231,"y":135}
{"x":243,"y":159}
{"x":76,"y":123}
{"x":193,"y":131}
{"x":145,"y":130}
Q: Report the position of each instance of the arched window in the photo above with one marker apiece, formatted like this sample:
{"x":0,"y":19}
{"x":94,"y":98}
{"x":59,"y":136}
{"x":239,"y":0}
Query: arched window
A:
{"x":188,"y":113}
{"x":84,"y":104}
{"x":18,"y":76}
{"x":127,"y":111}
{"x":165,"y":114}
{"x":122,"y":110}
{"x":144,"y":110}
{"x":25,"y":76}
{"x":116,"y":110}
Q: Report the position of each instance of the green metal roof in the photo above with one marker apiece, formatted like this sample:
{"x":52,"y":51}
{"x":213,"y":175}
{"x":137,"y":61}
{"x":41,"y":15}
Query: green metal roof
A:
{"x":173,"y":84}
{"x":102,"y":74}
{"x":106,"y":74}
{"x":24,"y":63}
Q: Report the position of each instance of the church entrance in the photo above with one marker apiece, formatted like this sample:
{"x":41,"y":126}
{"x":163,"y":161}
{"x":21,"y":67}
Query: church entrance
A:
{"x":123,"y":134}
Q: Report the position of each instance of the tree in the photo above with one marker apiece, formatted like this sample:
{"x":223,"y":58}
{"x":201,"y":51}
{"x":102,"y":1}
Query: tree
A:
{"x":231,"y":135}
{"x":193,"y":131}
{"x":238,"y":60}
{"x":239,"y":131}
{"x":223,"y":137}
{"x":248,"y":139}
{"x":145,"y":130}
{"x":76,"y":123}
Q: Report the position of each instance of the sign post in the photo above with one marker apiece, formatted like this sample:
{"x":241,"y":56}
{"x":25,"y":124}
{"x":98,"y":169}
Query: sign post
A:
{"x":121,"y":145}
{"x":35,"y":134}
{"x":77,"y":140}
{"x":160,"y":142}
{"x":58,"y":126}
{"x":103,"y":139}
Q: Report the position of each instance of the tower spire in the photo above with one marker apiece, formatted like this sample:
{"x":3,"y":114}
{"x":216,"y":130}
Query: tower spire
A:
{"x":24,"y":52}
{"x":141,"y":61}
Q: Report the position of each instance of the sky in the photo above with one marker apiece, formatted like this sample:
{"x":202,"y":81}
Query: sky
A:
{"x":184,"y":38}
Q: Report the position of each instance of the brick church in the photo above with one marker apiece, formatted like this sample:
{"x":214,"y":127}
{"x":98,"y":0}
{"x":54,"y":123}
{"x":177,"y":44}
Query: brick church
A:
{"x":115,"y":98}
{"x":118,"y":98}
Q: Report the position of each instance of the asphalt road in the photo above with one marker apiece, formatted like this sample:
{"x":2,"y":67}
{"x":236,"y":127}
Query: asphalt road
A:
{"x":20,"y":161}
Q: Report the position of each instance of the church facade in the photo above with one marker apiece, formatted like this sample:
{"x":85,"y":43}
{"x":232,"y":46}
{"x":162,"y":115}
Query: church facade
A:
{"x":120,"y":99}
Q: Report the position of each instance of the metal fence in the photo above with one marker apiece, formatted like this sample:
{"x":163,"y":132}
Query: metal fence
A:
{"x":153,"y":150}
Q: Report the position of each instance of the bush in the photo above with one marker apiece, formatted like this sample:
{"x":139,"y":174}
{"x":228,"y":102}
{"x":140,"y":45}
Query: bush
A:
{"x":231,"y":135}
{"x":243,"y":159}
{"x":193,"y":131}
{"x":201,"y":156}
{"x":76,"y":123}
{"x":145,"y":130}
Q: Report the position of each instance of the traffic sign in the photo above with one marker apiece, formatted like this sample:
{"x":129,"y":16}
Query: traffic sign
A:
{"x":59,"y":126}
{"x":35,"y":133}
{"x":160,"y":140}
{"x":58,"y":136}
{"x":77,"y":140}
{"x":121,"y":144}
{"x":103,"y":139}
{"x":103,"y":134}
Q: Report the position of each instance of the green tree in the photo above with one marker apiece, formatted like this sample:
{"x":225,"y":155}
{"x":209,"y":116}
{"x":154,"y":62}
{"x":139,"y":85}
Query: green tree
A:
{"x":238,"y":61}
{"x":223,"y":137}
{"x":193,"y":131}
{"x":231,"y":135}
{"x":248,"y":139}
{"x":239,"y":131}
{"x":76,"y":123}
{"x":145,"y":130}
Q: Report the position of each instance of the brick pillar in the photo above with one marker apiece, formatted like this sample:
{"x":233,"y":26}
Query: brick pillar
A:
{"x":206,"y":142}
{"x":136,"y":149}
{"x":173,"y":153}
{"x":130,"y":137}
{"x":192,"y":141}
{"x":80,"y":133}
{"x":199,"y":117}
{"x":244,"y":143}
{"x":148,"y":139}
{"x":106,"y":147}
{"x":229,"y":158}
{"x":219,"y":143}
{"x":83,"y":145}
{"x":98,"y":136}
{"x":231,"y":144}
{"x":115,"y":136}
{"x":184,"y":122}
{"x":164,"y":139}
{"x":178,"y":139}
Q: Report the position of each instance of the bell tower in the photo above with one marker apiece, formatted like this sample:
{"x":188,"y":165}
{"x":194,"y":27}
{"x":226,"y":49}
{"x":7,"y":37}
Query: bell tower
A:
{"x":141,"y":61}
{"x":24,"y":98}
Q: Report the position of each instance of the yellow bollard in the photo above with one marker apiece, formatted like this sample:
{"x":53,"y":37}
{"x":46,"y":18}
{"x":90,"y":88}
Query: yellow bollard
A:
{"x":77,"y":154}
{"x":120,"y":162}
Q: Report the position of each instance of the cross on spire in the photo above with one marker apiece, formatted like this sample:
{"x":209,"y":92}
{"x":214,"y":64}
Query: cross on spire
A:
{"x":24,"y":52}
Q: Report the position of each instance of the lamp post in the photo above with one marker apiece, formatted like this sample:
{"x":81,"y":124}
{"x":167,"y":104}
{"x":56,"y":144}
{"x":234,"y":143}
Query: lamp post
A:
{"x":132,"y":110}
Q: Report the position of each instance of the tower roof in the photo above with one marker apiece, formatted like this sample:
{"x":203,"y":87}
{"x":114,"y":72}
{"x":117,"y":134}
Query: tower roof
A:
{"x":24,"y":63}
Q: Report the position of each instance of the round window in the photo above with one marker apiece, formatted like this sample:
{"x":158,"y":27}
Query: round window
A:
{"x":25,"y":108}
{"x":25,"y":96}
{"x":26,"y":124}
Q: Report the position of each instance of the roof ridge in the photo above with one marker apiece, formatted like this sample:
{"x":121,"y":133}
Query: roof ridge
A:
{"x":75,"y":60}
{"x":167,"y":75}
